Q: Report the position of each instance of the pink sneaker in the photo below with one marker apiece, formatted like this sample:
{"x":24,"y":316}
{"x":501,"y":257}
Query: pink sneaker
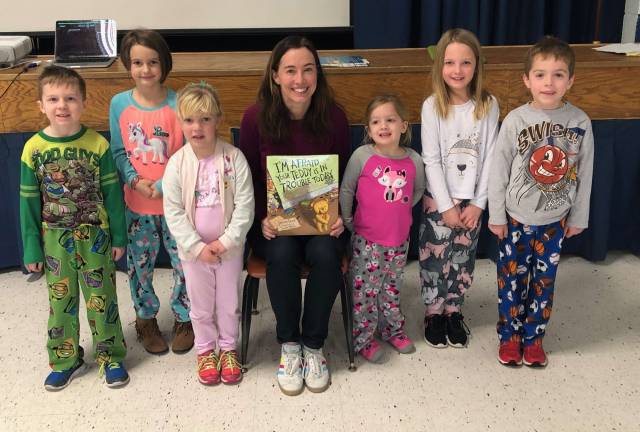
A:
{"x":402,"y":343}
{"x":208,"y":373}
{"x":372,"y":351}
{"x":230,"y":369}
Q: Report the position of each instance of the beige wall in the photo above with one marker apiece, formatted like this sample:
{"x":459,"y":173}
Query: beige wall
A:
{"x":40,"y":15}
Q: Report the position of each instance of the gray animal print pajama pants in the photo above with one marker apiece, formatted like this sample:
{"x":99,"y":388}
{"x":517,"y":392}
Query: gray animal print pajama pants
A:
{"x":447,"y":260}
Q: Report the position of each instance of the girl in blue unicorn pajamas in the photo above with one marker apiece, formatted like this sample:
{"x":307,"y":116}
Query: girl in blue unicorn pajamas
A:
{"x":145,"y":132}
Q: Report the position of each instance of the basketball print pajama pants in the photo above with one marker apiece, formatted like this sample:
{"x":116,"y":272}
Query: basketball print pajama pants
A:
{"x":527,"y":264}
{"x":447,"y":260}
{"x":376,"y":273}
{"x":81,"y":258}
{"x":145,"y":233}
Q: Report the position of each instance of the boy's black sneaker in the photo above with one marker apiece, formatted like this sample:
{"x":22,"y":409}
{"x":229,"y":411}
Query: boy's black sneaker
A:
{"x":457,"y":330}
{"x":435,"y":331}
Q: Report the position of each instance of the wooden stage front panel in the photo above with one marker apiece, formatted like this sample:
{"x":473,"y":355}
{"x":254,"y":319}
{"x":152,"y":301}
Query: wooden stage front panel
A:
{"x":607,"y":86}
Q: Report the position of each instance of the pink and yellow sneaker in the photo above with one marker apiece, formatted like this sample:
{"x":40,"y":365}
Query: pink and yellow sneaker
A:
{"x":230,"y":370}
{"x":208,"y":373}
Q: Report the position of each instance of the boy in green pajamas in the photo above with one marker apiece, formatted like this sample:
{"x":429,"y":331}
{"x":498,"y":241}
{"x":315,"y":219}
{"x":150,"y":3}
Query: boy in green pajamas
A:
{"x":72,"y":224}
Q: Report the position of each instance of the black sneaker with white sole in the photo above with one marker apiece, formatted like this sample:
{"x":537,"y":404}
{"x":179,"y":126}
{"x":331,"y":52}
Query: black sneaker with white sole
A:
{"x":435,"y":331}
{"x":457,"y":330}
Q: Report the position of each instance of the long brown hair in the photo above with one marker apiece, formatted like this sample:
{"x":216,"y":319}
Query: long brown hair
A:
{"x":274,"y":118}
{"x":477,"y":93}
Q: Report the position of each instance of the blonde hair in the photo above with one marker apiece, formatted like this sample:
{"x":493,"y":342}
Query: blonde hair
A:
{"x":198,"y":98}
{"x":405,"y":138}
{"x":477,"y":93}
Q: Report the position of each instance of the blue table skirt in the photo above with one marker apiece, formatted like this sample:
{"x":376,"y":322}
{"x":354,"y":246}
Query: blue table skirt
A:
{"x":615,"y":197}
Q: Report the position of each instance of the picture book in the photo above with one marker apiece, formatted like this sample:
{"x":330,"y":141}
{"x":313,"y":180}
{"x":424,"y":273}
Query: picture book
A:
{"x":343,"y":61}
{"x":302,"y":194}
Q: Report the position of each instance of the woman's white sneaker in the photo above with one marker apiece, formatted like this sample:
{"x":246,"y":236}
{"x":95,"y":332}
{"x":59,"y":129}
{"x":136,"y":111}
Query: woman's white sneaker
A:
{"x":290,"y":370}
{"x":316,"y":373}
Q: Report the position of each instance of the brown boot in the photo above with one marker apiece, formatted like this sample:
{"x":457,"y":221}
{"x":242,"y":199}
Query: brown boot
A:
{"x":150,"y":336}
{"x":182,"y":337}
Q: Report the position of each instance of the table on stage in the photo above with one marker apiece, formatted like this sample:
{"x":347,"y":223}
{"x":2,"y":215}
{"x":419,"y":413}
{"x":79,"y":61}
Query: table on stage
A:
{"x":607,"y":85}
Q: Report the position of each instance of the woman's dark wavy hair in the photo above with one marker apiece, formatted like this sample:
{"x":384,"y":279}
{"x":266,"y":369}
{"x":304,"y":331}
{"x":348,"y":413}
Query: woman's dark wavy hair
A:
{"x":273,"y":118}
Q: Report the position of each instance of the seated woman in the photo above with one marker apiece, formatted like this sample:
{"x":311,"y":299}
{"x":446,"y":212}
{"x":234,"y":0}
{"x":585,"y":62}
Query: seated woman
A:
{"x":296,"y":115}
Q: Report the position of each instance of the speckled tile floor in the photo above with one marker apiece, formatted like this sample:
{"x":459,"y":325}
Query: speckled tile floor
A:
{"x":591,"y":384}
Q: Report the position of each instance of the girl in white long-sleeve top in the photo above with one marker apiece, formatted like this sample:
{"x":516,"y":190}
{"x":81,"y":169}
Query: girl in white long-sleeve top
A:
{"x":459,"y":130}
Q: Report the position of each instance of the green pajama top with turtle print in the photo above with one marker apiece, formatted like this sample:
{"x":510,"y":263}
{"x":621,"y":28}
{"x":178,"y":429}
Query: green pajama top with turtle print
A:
{"x":71,"y":214}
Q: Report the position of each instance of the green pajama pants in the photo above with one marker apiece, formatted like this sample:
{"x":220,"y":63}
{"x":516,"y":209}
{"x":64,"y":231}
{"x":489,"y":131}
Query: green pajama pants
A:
{"x":81,"y":257}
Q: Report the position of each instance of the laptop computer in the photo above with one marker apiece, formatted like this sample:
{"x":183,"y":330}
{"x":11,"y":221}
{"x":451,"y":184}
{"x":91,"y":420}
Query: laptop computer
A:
{"x":85,"y":43}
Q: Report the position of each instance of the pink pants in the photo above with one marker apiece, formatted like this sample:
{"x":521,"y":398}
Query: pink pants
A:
{"x":213,"y":292}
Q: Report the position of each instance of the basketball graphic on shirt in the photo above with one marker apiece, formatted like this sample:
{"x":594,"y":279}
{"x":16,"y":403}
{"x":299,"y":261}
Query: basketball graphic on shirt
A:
{"x":548,"y":164}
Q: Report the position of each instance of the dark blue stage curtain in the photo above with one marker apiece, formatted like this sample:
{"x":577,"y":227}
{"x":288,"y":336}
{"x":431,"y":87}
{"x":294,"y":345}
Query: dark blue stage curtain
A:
{"x":416,"y":23}
{"x":10,"y":242}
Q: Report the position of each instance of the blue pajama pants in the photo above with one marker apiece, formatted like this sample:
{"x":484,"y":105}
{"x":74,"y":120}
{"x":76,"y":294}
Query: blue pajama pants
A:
{"x":527,"y":265}
{"x":145,"y":233}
